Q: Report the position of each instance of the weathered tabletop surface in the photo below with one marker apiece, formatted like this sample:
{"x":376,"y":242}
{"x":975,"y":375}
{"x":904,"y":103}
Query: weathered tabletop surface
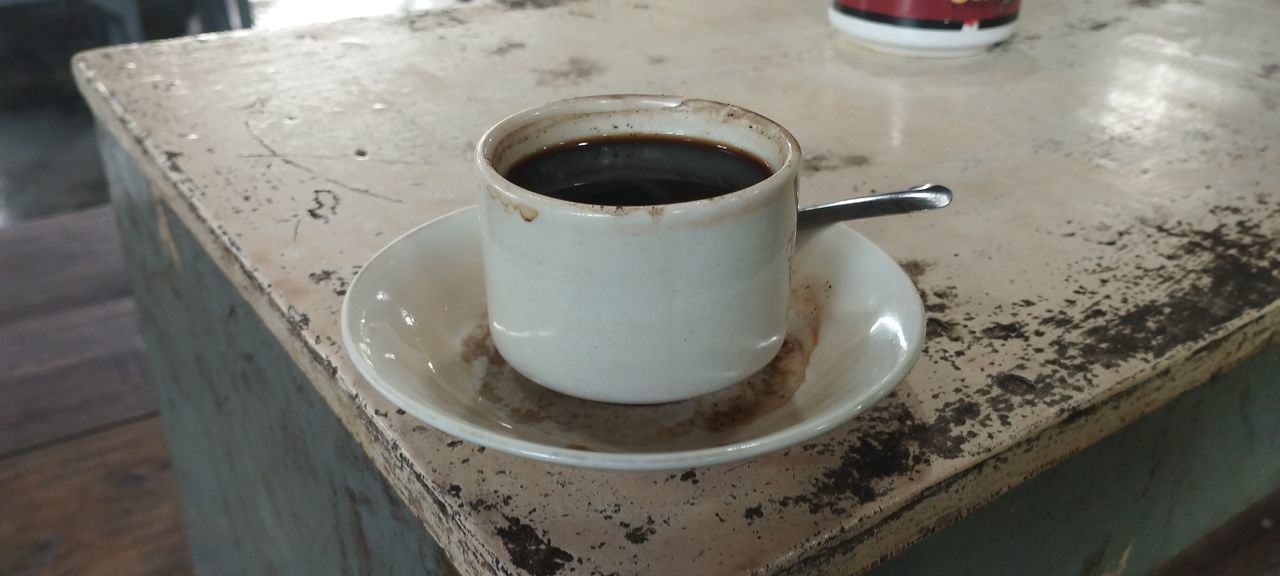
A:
{"x":1114,"y":241}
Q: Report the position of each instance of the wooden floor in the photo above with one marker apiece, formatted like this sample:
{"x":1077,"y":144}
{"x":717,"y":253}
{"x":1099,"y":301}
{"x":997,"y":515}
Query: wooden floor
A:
{"x":85,"y":486}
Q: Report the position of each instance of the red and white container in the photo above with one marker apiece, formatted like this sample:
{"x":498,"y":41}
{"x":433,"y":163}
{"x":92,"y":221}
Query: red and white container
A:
{"x":928,"y":28}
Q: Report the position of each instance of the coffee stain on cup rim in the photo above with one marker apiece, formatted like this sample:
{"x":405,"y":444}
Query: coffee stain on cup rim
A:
{"x":527,"y":213}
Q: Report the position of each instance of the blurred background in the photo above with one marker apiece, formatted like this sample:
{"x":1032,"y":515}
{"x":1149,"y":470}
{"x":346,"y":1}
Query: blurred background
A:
{"x":48,"y":159}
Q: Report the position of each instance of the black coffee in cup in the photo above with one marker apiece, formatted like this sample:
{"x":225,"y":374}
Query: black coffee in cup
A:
{"x":638,"y":170}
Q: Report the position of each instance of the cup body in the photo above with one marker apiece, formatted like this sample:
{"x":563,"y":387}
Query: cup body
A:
{"x":637,"y":304}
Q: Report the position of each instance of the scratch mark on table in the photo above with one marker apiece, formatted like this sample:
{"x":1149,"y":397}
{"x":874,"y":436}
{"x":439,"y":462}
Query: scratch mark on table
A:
{"x":272,"y":153}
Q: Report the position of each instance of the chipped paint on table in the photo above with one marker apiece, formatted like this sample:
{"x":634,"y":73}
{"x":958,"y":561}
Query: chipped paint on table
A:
{"x":1112,"y":244}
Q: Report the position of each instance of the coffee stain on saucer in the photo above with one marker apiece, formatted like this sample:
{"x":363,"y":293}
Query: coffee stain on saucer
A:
{"x":736,"y":413}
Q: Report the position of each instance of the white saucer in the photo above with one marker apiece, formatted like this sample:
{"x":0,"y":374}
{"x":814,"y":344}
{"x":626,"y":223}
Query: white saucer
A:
{"x":413,"y":323}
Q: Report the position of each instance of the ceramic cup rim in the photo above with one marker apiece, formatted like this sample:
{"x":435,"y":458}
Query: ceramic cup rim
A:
{"x":783,"y":165}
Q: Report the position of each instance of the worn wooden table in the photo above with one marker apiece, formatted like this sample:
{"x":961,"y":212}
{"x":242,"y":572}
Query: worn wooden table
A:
{"x":1113,"y":245}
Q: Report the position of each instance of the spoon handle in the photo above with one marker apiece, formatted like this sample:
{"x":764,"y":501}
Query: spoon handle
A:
{"x":917,"y":199}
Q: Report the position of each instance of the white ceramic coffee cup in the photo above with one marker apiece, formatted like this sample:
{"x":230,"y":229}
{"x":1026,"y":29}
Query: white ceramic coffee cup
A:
{"x":638,"y":304}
